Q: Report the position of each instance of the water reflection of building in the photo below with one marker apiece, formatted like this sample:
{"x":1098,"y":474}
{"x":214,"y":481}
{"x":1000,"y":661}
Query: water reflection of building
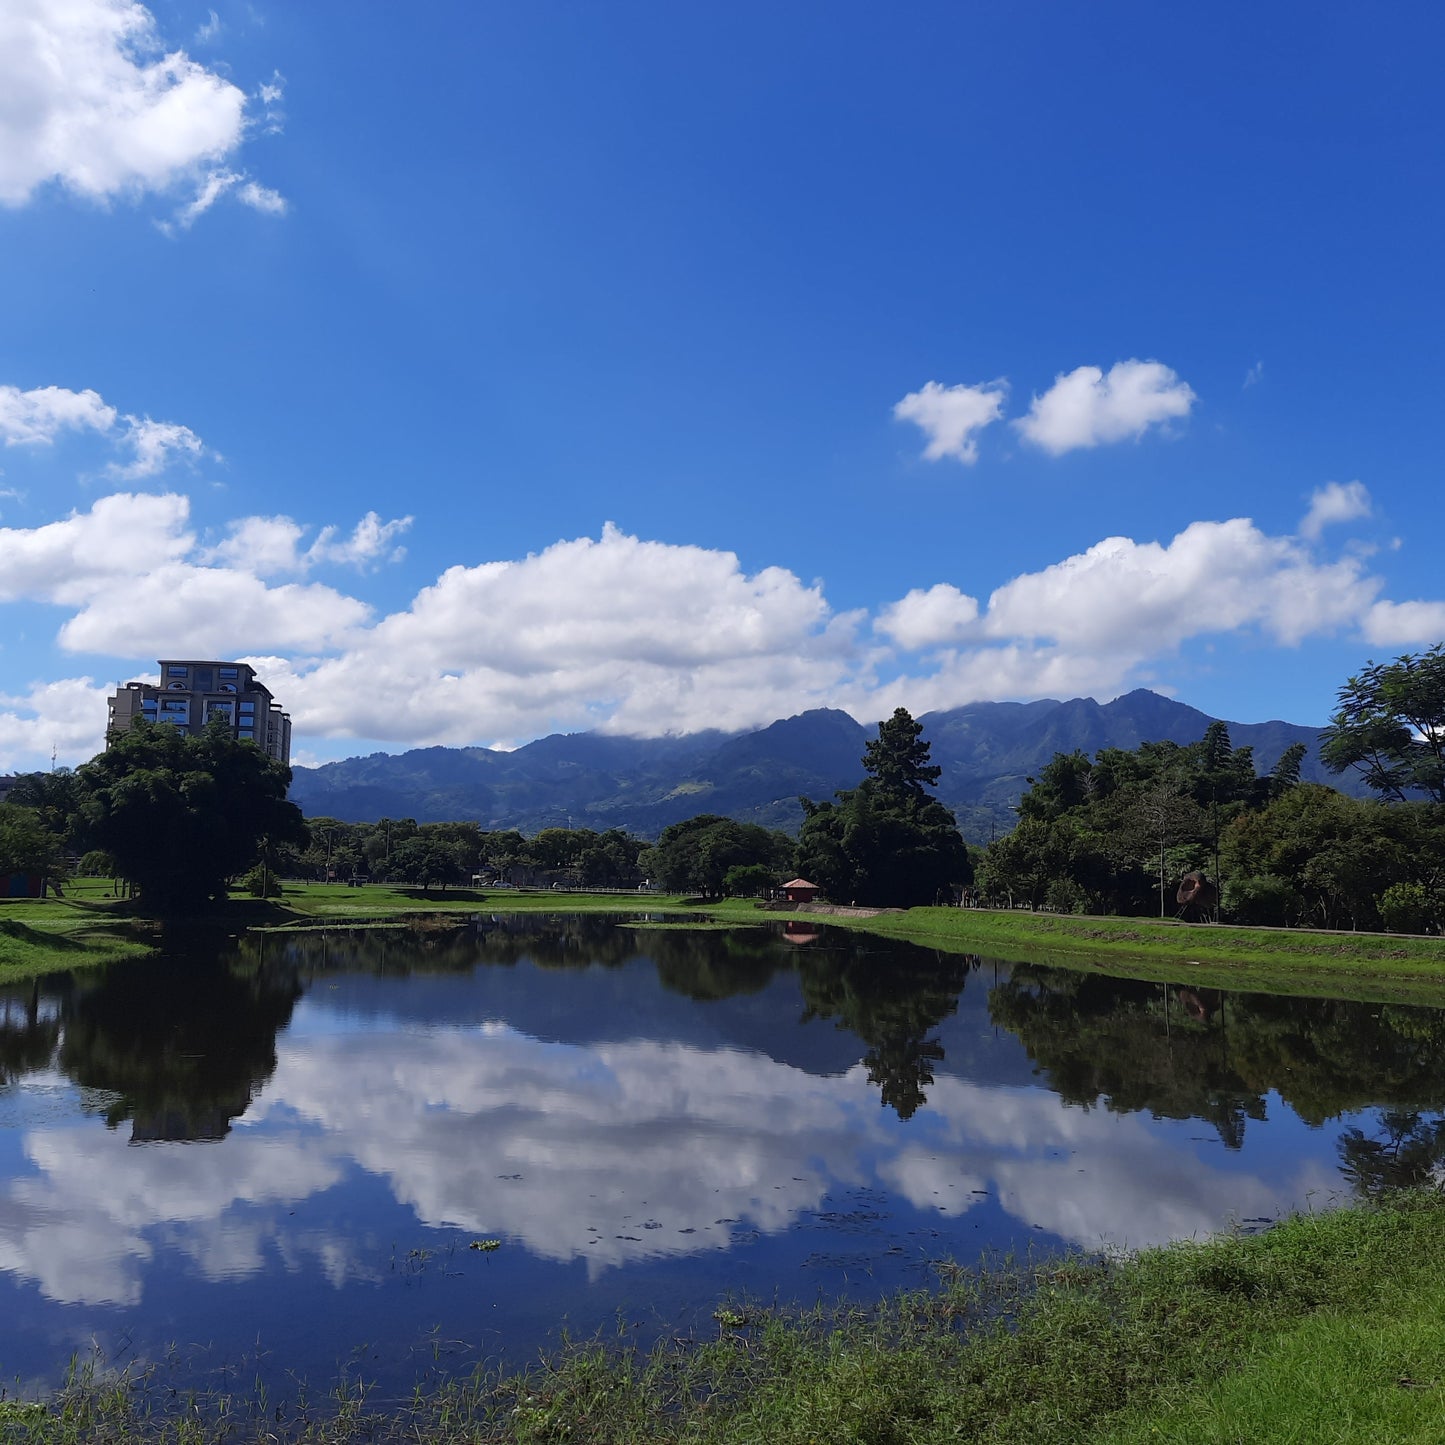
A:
{"x":796,"y":931}
{"x":194,"y":1126}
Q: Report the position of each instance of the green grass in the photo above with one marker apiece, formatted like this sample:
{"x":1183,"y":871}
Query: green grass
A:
{"x":42,"y":935}
{"x":86,"y":927}
{"x":1327,"y":1328}
{"x":1373,"y":966}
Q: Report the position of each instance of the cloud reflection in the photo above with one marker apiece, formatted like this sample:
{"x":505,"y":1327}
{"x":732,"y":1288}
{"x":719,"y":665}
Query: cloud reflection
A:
{"x":610,"y":1154}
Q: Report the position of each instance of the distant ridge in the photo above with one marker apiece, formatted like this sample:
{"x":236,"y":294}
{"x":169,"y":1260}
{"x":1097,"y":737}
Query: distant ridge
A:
{"x":594,"y":780}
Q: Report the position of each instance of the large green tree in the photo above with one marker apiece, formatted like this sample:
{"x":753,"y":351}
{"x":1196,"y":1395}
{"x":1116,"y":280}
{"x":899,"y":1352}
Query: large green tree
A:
{"x":180,"y":814}
{"x":1390,"y":726}
{"x":887,"y":842}
{"x":26,"y":845}
{"x":697,"y":854}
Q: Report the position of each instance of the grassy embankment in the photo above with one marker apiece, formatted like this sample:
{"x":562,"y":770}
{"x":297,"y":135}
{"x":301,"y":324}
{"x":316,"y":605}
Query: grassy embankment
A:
{"x":82,"y":929}
{"x":1369,"y":966}
{"x":86,"y":927}
{"x":1356,"y":965}
{"x":1327,"y":1328}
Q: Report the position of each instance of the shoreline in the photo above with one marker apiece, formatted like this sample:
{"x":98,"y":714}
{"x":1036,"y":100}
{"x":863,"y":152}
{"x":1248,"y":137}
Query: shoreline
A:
{"x":1324,"y":1318}
{"x":39,"y":937}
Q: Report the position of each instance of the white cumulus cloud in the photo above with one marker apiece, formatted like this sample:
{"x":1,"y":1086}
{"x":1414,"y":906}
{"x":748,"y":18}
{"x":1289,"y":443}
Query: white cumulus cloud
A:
{"x":38,"y":417}
{"x":1334,"y":502}
{"x":1212,"y":577}
{"x":93,"y":101}
{"x":1404,"y":624}
{"x":622,"y":634}
{"x":269,"y":546}
{"x":616,"y":631}
{"x":952,"y":416}
{"x":1089,"y":407}
{"x":929,"y":617}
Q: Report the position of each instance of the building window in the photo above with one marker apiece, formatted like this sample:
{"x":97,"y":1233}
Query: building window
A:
{"x":247,"y":707}
{"x":229,"y":672}
{"x":227,"y":687}
{"x":177,"y":687}
{"x":176,"y":671}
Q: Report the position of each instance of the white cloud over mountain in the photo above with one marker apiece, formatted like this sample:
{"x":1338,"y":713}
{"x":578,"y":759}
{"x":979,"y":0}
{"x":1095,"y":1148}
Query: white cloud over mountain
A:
{"x":92,"y":100}
{"x":629,"y":635}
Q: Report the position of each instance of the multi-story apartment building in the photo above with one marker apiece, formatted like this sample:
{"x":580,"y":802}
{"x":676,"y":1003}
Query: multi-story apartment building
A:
{"x":190,"y":694}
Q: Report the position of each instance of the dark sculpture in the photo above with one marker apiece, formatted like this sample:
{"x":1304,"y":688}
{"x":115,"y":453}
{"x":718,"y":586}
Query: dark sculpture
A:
{"x":1198,"y":899}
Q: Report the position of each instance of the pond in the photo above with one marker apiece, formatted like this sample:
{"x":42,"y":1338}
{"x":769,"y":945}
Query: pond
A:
{"x":397,"y":1152}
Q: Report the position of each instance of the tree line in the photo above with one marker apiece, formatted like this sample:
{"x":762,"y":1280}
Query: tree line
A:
{"x":183,"y":818}
{"x":1115,"y":833}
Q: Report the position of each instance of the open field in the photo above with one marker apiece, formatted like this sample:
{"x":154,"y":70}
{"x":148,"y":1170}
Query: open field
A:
{"x":1328,"y":1327}
{"x":80,"y":930}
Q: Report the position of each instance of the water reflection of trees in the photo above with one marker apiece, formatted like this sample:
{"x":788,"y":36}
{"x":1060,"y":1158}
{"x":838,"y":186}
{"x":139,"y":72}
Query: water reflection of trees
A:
{"x":29,"y":1032}
{"x":1406,"y":1151}
{"x":183,"y":1042}
{"x":448,"y":945}
{"x":1180,"y":1053}
{"x":891,"y":999}
{"x":1135,"y":1045}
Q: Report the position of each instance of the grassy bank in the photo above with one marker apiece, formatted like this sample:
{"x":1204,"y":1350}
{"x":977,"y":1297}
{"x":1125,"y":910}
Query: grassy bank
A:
{"x":39,"y":936}
{"x":86,"y":927}
{"x":1366,"y":966}
{"x":1329,"y":1327}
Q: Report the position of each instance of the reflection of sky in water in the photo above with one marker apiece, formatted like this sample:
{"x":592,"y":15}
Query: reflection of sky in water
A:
{"x":620,"y":1169}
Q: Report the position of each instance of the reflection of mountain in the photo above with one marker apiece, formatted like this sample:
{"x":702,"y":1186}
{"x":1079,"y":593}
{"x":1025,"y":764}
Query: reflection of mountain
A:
{"x":1181,"y":1053}
{"x":183,"y":1040}
{"x":720,"y":989}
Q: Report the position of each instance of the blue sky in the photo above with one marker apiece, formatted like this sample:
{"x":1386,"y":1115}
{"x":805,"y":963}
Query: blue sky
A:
{"x":483,"y":371}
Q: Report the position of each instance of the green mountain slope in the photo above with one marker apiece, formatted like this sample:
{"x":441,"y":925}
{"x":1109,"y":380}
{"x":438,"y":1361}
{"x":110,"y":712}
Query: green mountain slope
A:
{"x":593,"y":780}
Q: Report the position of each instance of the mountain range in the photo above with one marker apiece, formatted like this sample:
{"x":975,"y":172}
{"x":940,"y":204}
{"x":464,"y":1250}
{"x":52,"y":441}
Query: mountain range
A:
{"x":987,"y":751}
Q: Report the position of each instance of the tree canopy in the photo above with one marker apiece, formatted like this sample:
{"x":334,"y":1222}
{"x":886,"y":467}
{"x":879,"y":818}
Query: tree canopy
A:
{"x":698,"y":854}
{"x":1116,"y":832}
{"x":26,"y":845}
{"x":1390,"y":726}
{"x":885,"y":843}
{"x":180,"y":814}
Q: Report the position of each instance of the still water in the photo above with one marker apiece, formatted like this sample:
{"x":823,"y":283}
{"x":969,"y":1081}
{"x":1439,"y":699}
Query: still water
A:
{"x":276,"y":1157}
